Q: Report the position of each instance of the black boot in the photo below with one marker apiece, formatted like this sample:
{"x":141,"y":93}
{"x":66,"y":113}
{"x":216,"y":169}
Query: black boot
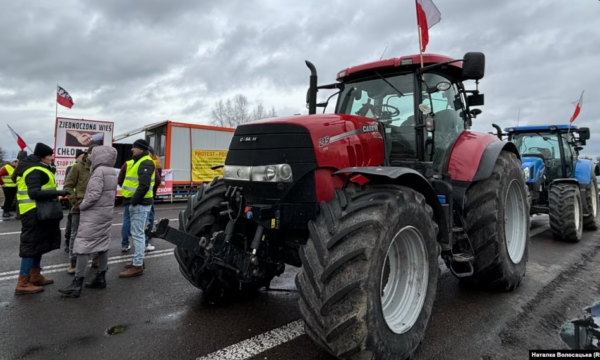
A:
{"x":99,"y":281}
{"x":73,"y":290}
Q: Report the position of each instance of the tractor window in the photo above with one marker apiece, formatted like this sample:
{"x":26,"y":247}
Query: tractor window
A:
{"x":543,"y":145}
{"x":391,"y":105}
{"x":569,"y":160}
{"x":446,"y":107}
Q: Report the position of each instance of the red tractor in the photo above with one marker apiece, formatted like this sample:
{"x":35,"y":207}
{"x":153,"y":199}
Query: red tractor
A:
{"x":364,"y":201}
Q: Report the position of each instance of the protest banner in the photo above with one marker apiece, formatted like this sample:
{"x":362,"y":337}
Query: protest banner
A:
{"x":203,"y":160}
{"x":71,"y":135}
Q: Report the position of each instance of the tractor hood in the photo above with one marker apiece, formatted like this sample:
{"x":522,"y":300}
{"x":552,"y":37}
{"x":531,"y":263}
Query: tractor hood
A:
{"x":313,"y":122}
{"x":533,"y":168}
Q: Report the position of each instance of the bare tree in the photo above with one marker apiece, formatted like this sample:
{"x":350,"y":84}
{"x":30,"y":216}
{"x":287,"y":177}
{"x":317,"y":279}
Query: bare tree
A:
{"x":236,"y":111}
{"x":2,"y":155}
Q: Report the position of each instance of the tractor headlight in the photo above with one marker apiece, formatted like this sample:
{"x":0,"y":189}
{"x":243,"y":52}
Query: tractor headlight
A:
{"x":526,"y":173}
{"x":270,"y":173}
{"x":265,"y":173}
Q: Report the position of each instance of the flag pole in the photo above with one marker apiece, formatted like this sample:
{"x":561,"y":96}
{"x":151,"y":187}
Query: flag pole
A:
{"x":420,"y":36}
{"x":56,"y":102}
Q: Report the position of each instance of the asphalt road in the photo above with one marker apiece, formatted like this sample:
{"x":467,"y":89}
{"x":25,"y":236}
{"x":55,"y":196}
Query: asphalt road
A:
{"x":163,"y":317}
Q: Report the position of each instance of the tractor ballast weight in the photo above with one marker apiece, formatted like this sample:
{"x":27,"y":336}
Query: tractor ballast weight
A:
{"x":393,"y":177}
{"x":559,"y":183}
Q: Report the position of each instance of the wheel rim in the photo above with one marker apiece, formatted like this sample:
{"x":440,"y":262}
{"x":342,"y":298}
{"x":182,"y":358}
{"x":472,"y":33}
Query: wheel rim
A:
{"x":515,"y":225}
{"x":576,"y":212}
{"x":404,"y":280}
{"x":594,"y":200}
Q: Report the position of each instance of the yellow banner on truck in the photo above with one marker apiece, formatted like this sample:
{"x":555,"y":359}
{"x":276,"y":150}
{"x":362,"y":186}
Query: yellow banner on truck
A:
{"x":203,"y":160}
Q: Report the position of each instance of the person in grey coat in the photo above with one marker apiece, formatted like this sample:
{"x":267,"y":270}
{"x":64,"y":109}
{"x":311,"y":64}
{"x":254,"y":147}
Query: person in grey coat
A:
{"x":96,"y":220}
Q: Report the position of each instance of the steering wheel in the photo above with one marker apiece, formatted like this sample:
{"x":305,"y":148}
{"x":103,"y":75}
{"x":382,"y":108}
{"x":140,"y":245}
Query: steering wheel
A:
{"x":393,"y":114}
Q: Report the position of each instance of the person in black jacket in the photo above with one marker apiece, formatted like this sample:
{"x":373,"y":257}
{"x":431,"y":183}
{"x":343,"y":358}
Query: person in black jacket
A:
{"x":137,"y":193}
{"x":36,"y":191}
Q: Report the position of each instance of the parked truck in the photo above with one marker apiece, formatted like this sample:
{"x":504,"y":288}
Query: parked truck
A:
{"x":189,"y":150}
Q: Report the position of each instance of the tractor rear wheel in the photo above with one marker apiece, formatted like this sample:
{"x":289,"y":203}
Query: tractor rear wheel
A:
{"x":201,"y":218}
{"x":566,"y":212}
{"x":497,"y":222}
{"x":369,"y":273}
{"x":592,"y":221}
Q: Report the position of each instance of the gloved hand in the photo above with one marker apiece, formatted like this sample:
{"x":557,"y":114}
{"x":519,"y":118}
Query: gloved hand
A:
{"x":63,"y":193}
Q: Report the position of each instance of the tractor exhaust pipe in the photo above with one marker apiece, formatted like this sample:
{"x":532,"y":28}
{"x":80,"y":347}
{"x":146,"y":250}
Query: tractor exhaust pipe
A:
{"x":498,"y":131}
{"x":312,"y":90}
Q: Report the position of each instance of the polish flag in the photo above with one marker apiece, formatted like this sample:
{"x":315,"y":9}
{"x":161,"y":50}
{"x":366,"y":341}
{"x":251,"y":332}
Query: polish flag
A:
{"x":63,"y":97}
{"x":427,"y":16}
{"x":577,"y":108}
{"x":20,"y":141}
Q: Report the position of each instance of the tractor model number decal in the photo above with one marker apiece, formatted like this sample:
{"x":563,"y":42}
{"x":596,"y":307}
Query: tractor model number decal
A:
{"x":323,"y":141}
{"x":248,"y":138}
{"x":369,"y":128}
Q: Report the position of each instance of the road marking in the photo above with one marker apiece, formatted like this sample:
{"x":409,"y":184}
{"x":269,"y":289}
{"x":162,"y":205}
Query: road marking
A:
{"x":258,"y":344}
{"x":18,"y":232}
{"x":63,"y":267}
{"x":67,"y":264}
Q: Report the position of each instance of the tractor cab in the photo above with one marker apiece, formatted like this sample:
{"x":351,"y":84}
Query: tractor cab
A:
{"x":421,"y":110}
{"x":548,"y":152}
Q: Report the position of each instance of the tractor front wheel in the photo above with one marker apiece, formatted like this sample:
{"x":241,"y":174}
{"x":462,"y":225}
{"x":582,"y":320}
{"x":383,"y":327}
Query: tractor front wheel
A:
{"x":369,"y":273}
{"x":497,"y":222}
{"x":566,"y":212}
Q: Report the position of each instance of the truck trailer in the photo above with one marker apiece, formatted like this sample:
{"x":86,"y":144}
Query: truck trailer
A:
{"x":189,"y":150}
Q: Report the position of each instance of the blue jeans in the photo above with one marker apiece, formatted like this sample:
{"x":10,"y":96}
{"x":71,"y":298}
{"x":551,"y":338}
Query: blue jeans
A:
{"x":29,"y":263}
{"x":138,"y":215}
{"x":150,"y":222}
{"x":126,"y":227}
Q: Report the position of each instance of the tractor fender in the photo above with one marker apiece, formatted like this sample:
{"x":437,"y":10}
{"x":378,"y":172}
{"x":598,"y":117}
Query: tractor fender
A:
{"x":584,"y":170}
{"x":489,"y":156}
{"x":406,"y":177}
{"x":474,"y":155}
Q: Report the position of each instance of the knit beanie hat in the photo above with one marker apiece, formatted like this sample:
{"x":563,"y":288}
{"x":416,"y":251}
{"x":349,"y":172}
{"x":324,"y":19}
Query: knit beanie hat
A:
{"x":79,"y":152}
{"x":141,"y":144}
{"x":42,"y":150}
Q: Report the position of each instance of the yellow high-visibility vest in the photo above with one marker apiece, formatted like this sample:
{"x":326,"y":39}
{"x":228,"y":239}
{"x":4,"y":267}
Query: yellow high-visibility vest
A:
{"x":25,"y":203}
{"x":7,"y":179}
{"x":131,"y":182}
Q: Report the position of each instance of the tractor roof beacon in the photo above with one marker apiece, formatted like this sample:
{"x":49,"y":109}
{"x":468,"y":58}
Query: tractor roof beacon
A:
{"x":560,"y":184}
{"x":364,"y":201}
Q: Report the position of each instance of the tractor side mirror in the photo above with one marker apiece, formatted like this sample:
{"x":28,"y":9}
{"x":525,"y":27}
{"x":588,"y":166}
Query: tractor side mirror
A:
{"x":473,"y":66}
{"x":476,"y":112}
{"x":584,"y":133}
{"x":597,"y":170}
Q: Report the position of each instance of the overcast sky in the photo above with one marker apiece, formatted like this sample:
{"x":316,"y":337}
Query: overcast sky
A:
{"x":138,"y":62}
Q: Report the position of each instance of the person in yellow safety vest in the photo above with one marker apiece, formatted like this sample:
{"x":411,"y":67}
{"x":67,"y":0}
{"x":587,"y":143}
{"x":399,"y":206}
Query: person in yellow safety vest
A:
{"x":41,"y":213}
{"x":8,"y":186}
{"x":138,"y":194}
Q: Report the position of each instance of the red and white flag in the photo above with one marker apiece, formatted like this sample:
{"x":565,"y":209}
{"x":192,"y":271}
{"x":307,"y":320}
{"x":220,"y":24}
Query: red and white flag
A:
{"x":577,"y":108}
{"x":427,"y":16}
{"x":63,"y":97}
{"x":20,"y":141}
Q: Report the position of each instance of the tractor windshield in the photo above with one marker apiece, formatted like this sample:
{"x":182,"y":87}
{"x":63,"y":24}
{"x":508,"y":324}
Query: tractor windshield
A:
{"x":546,"y":145}
{"x":392,"y":102}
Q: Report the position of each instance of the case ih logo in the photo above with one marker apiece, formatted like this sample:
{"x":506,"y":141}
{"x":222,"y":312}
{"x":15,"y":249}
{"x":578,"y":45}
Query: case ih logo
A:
{"x":248,"y":138}
{"x":369,"y":128}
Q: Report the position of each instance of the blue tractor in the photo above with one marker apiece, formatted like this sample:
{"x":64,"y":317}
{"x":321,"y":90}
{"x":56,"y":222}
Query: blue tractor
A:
{"x":560,"y":184}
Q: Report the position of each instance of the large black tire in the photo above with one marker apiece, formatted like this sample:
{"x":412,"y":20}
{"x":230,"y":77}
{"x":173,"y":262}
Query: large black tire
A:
{"x":201,"y":218}
{"x":566,"y":224}
{"x":485,"y":215}
{"x":339,"y":283}
{"x":592,"y":221}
